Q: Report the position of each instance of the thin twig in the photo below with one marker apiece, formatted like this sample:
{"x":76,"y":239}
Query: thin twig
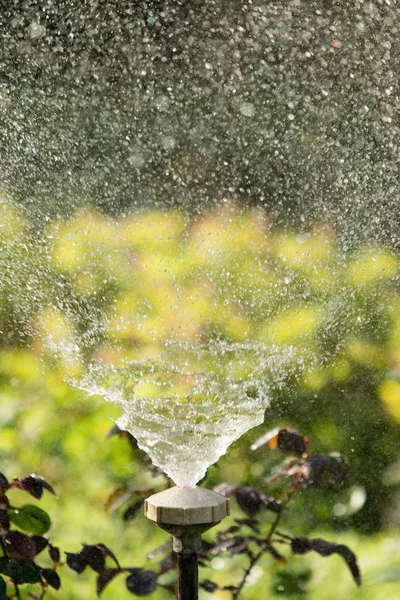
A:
{"x":266,"y":542}
{"x":253,"y":560}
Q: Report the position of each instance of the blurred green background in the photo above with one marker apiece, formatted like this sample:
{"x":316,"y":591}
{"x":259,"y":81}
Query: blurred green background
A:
{"x":96,"y":286}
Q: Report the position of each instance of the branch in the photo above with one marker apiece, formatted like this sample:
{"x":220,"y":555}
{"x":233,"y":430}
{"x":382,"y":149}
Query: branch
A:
{"x":265,"y":544}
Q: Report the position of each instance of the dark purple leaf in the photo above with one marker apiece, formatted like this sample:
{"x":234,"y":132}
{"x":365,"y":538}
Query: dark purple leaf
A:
{"x":302,"y":545}
{"x":271,"y":504}
{"x":286,"y":440}
{"x":33,"y":484}
{"x":20,"y":570}
{"x":51,"y":577}
{"x":314,"y":468}
{"x":20,"y":545}
{"x":4,"y":519}
{"x":275,"y":554}
{"x":292,"y":442}
{"x":4,"y":502}
{"x":107,"y":552}
{"x":115,"y":430}
{"x":248,"y":499}
{"x":54,"y":553}
{"x":132,"y":510}
{"x":94,"y":557}
{"x":142,"y":583}
{"x":231,"y":588}
{"x":105,"y":577}
{"x":3,"y":589}
{"x":4,"y":485}
{"x":76,"y":562}
{"x":209,"y":586}
{"x":23,"y":546}
{"x":40,"y":542}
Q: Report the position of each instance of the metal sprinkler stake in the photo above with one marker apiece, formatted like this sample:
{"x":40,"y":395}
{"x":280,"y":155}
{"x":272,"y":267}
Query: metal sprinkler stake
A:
{"x":186,"y":513}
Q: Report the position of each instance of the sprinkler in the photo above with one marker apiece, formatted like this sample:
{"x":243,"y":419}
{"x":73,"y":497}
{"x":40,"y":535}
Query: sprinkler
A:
{"x":186,"y":513}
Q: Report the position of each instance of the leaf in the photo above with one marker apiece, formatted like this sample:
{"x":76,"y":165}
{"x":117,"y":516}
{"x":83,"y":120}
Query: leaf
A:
{"x":231,"y":588}
{"x":314,"y":468}
{"x":4,"y":519}
{"x":40,"y":542}
{"x":20,"y":545}
{"x":292,"y":442}
{"x":249,"y":500}
{"x":54,"y":553}
{"x":141,"y":583}
{"x":275,"y":554}
{"x":30,"y":518}
{"x":271,"y":504}
{"x":33,"y":484}
{"x":105,"y":577}
{"x":3,"y":589}
{"x":52,"y":578}
{"x":286,"y":440}
{"x":117,"y":498}
{"x":107,"y":552}
{"x":4,"y":485}
{"x":115,"y":430}
{"x":76,"y":562}
{"x":132,"y":510}
{"x":302,"y":545}
{"x":209,"y":586}
{"x":93,"y":557}
{"x":122,"y":494}
{"x":4,"y":502}
{"x":20,"y":571}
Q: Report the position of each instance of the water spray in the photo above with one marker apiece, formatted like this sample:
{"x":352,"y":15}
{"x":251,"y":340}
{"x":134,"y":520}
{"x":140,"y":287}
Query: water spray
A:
{"x":187,"y":513}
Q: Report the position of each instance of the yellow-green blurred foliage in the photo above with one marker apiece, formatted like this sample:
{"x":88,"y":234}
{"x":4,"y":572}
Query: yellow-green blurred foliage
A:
{"x":119,"y":288}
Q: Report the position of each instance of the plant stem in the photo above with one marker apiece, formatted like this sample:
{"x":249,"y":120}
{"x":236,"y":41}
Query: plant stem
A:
{"x":266,"y":542}
{"x":253,"y":560}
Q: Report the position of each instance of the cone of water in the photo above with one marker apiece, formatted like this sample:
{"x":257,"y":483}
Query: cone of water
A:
{"x":186,"y":405}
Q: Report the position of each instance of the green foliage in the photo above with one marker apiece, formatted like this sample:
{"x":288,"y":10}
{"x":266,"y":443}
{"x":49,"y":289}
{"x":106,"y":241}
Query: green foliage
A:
{"x":119,"y":288}
{"x":30,"y":518}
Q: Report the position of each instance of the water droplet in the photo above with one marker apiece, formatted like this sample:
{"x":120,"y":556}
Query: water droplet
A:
{"x":247,"y":109}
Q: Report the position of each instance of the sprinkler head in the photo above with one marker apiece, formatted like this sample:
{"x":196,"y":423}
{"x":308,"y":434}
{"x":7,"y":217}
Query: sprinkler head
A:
{"x":186,"y":513}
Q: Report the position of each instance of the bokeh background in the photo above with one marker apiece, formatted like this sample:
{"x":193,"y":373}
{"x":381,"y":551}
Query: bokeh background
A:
{"x":204,"y":171}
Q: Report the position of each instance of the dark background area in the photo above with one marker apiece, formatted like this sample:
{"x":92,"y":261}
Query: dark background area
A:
{"x":121,"y":105}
